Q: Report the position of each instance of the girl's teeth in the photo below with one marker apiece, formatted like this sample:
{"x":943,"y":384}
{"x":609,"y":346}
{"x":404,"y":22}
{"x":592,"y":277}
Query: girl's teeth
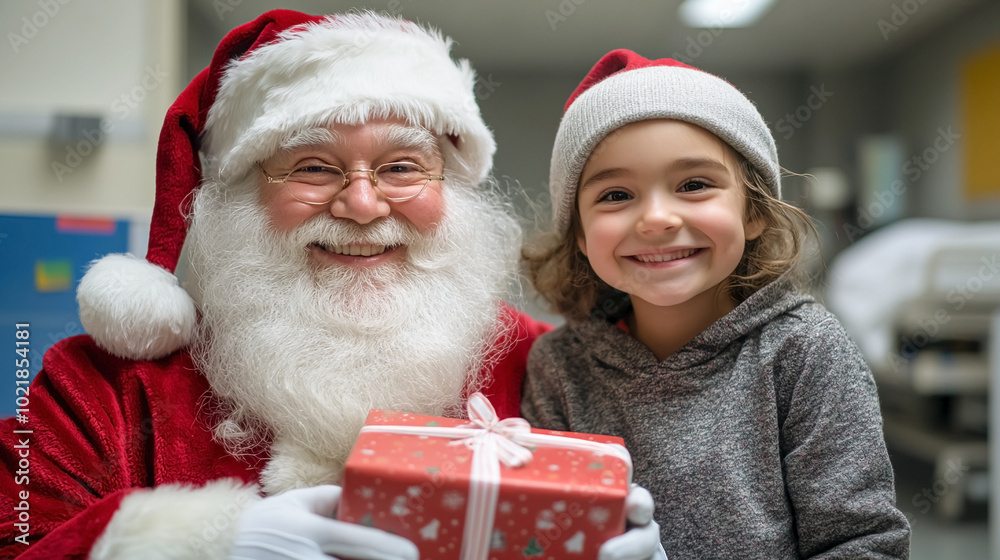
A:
{"x":665,"y":258}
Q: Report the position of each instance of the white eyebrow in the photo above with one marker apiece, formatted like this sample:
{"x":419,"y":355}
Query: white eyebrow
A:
{"x":408,"y":137}
{"x":311,"y":137}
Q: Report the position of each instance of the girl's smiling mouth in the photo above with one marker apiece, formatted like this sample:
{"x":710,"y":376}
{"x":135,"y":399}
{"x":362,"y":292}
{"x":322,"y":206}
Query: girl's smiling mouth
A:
{"x":665,"y":257}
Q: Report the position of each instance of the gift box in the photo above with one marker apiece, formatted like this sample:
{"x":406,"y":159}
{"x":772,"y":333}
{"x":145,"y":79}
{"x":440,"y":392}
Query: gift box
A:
{"x":484,"y":488}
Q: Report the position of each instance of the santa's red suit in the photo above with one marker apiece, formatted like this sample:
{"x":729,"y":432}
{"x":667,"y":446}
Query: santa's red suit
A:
{"x":118,"y":445}
{"x":101,"y":427}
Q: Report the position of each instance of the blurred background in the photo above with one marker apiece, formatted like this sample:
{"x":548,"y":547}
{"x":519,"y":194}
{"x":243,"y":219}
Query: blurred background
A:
{"x":886,"y":111}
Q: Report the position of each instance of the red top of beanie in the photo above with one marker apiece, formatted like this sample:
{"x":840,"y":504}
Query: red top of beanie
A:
{"x":616,"y":61}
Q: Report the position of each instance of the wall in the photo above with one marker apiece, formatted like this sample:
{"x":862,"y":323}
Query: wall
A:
{"x":523,"y":110}
{"x":925,"y":99}
{"x":119,"y":60}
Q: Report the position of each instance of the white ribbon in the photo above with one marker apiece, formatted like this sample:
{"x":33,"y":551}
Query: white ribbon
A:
{"x":494,"y":441}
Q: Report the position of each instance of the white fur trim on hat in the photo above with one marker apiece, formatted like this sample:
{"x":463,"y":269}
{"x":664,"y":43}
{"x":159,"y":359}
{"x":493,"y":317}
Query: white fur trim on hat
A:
{"x":346,"y":69}
{"x":135,"y":309}
{"x":176,"y":521}
{"x":656,"y":92}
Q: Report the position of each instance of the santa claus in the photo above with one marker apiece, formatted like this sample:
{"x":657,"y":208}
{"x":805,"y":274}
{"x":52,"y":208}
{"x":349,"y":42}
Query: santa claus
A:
{"x":321,"y":196}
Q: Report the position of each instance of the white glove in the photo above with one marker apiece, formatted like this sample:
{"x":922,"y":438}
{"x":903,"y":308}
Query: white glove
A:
{"x":298,"y":525}
{"x":642,"y":540}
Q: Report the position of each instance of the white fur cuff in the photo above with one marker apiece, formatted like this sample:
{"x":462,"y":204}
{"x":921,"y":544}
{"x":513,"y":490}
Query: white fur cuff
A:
{"x":135,"y":309}
{"x":176,"y":522}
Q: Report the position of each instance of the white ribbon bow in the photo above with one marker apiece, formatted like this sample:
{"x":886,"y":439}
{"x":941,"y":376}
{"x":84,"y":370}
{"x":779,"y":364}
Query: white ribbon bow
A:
{"x":494,"y":435}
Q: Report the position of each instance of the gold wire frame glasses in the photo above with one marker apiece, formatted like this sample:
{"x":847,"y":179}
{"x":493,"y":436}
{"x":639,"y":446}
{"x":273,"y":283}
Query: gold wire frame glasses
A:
{"x":398,"y":181}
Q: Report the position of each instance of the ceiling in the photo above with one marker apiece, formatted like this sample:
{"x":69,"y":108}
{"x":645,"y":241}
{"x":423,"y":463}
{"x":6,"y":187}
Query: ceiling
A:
{"x":567,"y":35}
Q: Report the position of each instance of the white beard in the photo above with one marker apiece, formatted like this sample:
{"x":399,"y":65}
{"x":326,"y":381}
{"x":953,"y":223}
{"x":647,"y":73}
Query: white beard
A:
{"x":301,"y":355}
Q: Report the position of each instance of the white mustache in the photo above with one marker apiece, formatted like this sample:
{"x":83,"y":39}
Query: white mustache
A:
{"x":341,"y":236}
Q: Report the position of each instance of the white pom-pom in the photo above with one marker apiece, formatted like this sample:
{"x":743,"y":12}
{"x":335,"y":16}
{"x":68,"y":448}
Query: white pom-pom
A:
{"x":135,"y":309}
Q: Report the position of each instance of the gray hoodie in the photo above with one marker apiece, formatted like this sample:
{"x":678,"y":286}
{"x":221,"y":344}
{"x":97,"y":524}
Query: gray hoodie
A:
{"x":761,"y":438}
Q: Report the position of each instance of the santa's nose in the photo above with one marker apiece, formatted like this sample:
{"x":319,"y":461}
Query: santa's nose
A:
{"x":360,"y":201}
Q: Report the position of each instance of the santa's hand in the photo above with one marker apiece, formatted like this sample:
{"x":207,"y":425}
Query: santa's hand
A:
{"x":642,"y":539}
{"x":298,"y":525}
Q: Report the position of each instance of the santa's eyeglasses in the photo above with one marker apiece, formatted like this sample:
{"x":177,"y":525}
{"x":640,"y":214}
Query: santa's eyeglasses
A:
{"x":398,"y":181}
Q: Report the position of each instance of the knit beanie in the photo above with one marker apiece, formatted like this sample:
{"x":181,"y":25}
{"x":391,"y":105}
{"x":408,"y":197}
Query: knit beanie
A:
{"x":280,"y":74}
{"x":624,"y":88}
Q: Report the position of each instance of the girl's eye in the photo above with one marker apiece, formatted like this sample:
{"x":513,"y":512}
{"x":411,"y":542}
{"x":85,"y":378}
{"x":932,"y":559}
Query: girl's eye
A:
{"x":691,"y":186}
{"x":615,"y":196}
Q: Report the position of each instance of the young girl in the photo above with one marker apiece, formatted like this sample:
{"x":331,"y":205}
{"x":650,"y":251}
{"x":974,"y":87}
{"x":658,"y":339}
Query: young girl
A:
{"x":751,"y":417}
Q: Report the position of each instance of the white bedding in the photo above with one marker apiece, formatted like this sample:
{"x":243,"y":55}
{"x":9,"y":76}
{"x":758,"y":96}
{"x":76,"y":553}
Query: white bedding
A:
{"x":945,"y":267}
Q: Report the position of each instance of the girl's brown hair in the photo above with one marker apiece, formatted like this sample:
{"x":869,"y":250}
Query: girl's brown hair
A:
{"x":562,"y":275}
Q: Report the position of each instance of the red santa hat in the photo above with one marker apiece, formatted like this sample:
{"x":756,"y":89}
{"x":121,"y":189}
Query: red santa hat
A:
{"x":622,"y":88}
{"x":281,"y":73}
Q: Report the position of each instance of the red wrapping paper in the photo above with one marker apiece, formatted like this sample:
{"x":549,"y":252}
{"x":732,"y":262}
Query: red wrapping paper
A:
{"x":562,"y":505}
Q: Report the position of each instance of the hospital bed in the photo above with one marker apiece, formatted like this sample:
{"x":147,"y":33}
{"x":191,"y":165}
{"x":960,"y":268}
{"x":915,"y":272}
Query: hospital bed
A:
{"x":920,"y":298}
